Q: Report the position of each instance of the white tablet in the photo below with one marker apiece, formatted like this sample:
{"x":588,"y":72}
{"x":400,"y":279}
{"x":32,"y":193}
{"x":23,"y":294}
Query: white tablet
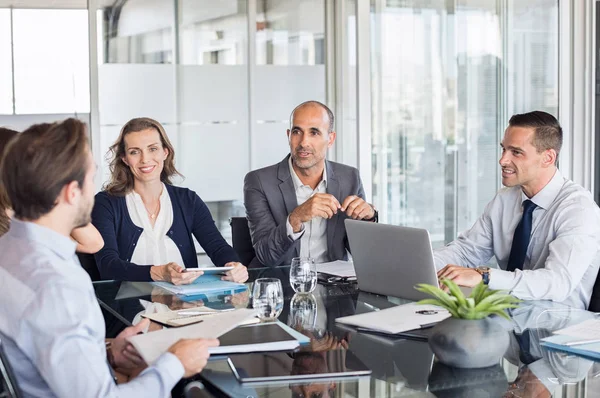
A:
{"x":210,"y":270}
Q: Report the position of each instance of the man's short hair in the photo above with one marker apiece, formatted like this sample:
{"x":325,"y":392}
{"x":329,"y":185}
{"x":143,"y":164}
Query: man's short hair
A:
{"x":38,"y":164}
{"x":317,"y":103}
{"x":548,"y":133}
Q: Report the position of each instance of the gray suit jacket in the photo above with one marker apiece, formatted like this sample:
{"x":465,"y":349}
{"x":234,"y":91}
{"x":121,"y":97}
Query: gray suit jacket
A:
{"x":269,"y":197}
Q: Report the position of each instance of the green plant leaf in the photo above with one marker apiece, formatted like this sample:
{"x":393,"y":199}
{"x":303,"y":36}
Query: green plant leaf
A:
{"x":439,"y":294}
{"x":455,"y":291}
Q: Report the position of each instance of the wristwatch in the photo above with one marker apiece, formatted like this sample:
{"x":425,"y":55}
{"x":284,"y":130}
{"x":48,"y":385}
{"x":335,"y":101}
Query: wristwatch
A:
{"x":375,"y":217}
{"x":485,"y":274}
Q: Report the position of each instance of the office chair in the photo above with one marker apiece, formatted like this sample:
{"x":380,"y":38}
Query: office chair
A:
{"x":595,"y":300}
{"x":242,"y":242}
{"x":8,"y":382}
{"x":88,"y":262}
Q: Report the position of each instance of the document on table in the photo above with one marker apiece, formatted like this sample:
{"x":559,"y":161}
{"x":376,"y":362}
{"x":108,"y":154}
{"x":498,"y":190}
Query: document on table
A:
{"x":587,"y":330}
{"x":152,"y":345}
{"x":397,"y":319}
{"x":344,"y":269}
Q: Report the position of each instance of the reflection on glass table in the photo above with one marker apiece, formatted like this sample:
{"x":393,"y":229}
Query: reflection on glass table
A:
{"x":400,"y":367}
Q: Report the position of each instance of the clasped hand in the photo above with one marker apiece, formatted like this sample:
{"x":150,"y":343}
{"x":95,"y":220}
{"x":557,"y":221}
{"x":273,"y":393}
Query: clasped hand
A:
{"x":325,"y":205}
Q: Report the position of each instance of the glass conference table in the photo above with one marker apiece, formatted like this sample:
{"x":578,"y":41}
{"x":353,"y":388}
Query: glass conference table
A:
{"x":400,"y":367}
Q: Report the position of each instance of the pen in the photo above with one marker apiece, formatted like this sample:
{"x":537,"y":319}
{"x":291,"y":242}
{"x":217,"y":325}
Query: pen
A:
{"x":581,"y":342}
{"x":196,"y":312}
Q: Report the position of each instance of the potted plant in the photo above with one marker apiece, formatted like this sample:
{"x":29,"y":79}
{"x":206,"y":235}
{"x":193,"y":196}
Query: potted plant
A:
{"x":471,"y":337}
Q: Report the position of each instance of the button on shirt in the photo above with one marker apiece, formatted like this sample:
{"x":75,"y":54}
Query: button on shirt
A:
{"x":154,"y":246}
{"x":562,"y":258}
{"x":51,"y":325}
{"x":313,"y":236}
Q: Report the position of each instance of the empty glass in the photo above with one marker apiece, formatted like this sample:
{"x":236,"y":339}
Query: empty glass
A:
{"x":303,"y":274}
{"x":267,"y":298}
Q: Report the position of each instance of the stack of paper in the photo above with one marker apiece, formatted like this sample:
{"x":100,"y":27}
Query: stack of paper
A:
{"x":582,"y":339}
{"x":189,"y":316}
{"x":344,"y":269}
{"x":152,"y":345}
{"x":205,"y":284}
{"x":397,"y":319}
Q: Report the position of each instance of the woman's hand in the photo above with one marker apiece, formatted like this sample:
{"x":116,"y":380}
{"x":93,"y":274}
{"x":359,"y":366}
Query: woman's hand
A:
{"x":239,"y":274}
{"x":174,"y":273}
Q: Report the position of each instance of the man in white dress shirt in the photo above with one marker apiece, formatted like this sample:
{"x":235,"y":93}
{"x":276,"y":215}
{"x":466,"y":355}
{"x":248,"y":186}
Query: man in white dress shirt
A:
{"x":543,"y":229}
{"x":51,"y":325}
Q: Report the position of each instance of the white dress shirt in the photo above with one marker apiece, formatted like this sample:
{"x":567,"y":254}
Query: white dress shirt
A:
{"x":154,"y":247}
{"x":563,"y":255}
{"x":313,"y":235}
{"x":51,"y":325}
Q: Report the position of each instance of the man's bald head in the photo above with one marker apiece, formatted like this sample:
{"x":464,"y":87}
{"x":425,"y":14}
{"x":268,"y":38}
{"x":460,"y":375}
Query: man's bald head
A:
{"x":314,"y":104}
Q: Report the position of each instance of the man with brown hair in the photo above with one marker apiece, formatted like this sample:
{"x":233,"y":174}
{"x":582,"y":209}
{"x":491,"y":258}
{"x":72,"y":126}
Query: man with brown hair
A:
{"x":50,"y":323}
{"x":543,"y":229}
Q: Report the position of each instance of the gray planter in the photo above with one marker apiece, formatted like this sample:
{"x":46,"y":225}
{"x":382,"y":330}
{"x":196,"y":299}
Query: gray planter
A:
{"x":465,"y":343}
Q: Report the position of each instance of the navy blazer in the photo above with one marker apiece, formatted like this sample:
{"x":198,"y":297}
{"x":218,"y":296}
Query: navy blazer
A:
{"x":120,"y":234}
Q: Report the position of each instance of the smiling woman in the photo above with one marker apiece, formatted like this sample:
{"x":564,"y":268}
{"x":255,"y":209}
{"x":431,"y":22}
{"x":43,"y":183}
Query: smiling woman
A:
{"x":146,"y":222}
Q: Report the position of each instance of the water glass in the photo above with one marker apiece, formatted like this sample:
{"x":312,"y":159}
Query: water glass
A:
{"x":267,"y":298}
{"x":303,"y":312}
{"x":303,"y":274}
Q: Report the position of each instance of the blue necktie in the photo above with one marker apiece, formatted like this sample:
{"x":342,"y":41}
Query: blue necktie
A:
{"x":521,"y":238}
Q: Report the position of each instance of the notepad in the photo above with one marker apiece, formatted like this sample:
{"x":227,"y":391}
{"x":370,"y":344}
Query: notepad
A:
{"x":152,"y":345}
{"x":398,"y":319}
{"x":581,"y":339}
{"x":262,"y":337}
{"x":188,"y":316}
{"x":205,"y":284}
{"x":344,"y":269}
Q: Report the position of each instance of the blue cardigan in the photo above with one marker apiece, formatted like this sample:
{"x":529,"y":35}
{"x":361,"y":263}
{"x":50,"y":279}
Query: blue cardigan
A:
{"x":120,"y":234}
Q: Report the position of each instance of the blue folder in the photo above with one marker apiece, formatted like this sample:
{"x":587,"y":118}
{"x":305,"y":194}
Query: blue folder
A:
{"x":206,"y":284}
{"x":557,"y":343}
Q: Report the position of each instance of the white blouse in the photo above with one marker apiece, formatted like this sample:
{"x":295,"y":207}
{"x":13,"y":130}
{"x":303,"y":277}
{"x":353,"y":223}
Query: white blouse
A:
{"x":154,"y":247}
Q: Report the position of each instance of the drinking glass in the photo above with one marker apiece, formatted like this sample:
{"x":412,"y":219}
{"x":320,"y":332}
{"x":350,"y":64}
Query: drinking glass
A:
{"x":267,"y":298}
{"x":303,"y":312}
{"x":303,"y":274}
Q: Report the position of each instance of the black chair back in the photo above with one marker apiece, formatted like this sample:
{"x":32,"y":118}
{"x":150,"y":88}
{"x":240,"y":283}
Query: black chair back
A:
{"x":88,"y":262}
{"x":242,"y":242}
{"x":8,"y":381}
{"x":595,"y":301}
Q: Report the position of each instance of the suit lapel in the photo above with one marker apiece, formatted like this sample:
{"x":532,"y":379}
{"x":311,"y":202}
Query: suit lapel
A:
{"x":333,"y":188}
{"x":286,"y":186}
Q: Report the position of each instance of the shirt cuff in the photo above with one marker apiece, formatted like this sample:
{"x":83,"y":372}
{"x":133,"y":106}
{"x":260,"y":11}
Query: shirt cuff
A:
{"x":501,"y":279}
{"x":290,"y":231}
{"x":169,"y":366}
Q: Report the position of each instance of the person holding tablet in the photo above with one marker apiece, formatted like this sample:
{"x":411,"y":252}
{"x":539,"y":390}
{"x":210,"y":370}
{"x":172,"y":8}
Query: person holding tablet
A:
{"x":146,"y":222}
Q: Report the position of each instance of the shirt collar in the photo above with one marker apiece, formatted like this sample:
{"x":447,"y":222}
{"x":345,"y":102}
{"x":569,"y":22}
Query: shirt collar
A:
{"x":296,"y":179}
{"x":546,"y":196}
{"x":61,"y":245}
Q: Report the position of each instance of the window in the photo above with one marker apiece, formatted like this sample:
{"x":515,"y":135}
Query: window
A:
{"x":446,"y":77}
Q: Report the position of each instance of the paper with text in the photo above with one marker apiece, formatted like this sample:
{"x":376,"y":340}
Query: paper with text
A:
{"x":152,"y":345}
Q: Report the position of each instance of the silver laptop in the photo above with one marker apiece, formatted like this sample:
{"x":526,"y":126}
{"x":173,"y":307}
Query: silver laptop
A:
{"x":391,"y":260}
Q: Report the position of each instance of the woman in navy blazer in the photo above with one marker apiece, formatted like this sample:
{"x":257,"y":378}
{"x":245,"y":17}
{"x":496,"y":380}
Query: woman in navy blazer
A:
{"x":142,"y":217}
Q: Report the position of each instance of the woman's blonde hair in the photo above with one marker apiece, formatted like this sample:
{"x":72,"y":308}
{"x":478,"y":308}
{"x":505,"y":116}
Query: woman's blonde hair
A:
{"x":121,"y":177}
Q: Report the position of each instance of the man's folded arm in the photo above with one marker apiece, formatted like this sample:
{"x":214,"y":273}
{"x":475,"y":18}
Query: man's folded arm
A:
{"x":270,"y":241}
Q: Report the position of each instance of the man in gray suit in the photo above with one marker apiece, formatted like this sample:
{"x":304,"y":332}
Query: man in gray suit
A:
{"x":297,"y":207}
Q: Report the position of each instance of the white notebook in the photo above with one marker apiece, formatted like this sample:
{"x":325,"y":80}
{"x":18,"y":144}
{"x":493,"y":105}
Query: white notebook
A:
{"x":397,"y":319}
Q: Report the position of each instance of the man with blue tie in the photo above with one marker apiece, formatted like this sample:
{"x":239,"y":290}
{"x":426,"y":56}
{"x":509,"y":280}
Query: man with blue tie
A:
{"x":542,"y":228}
